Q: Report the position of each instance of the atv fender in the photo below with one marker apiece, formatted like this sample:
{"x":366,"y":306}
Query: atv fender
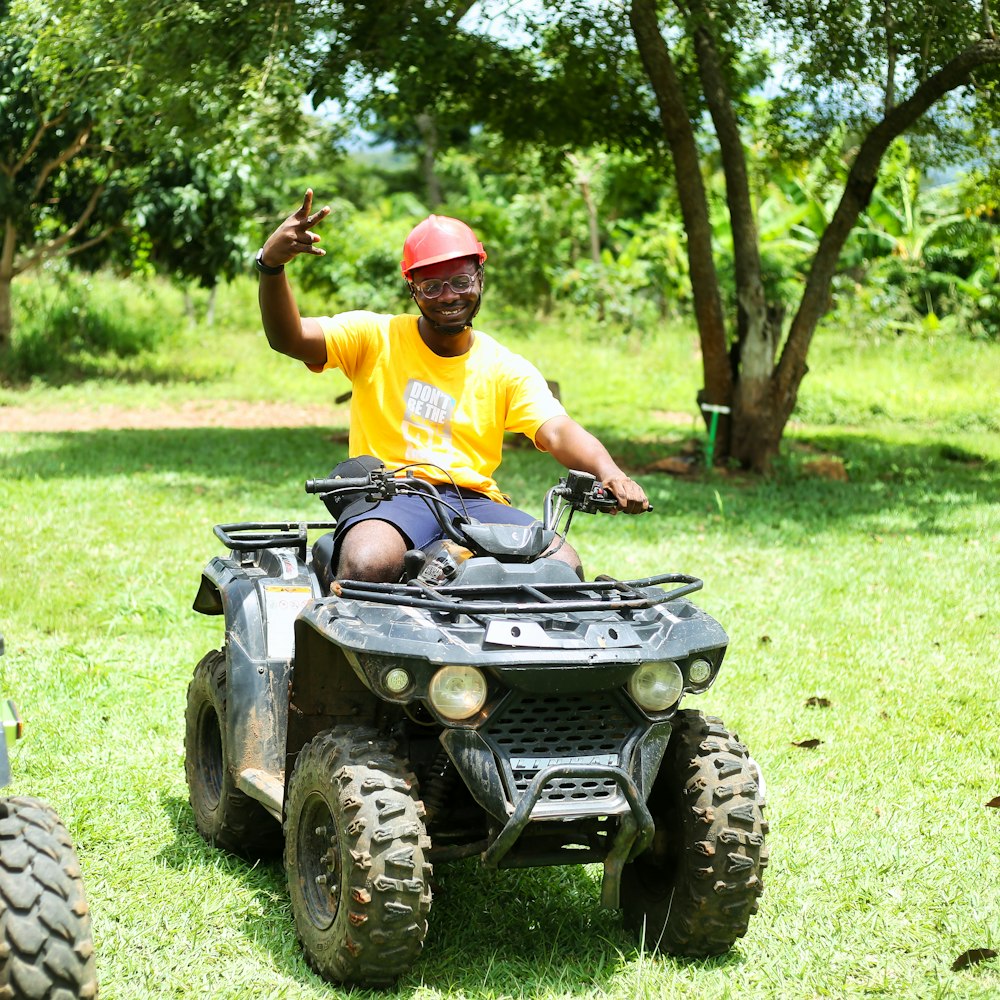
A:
{"x":260,"y":598}
{"x":328,"y":686}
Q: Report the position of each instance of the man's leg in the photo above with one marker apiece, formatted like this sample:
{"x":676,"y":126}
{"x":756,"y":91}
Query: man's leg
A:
{"x":372,"y":551}
{"x":373,"y":544}
{"x":568,"y":554}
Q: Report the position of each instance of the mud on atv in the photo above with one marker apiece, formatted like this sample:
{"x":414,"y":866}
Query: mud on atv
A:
{"x":491,"y":705}
{"x":46,"y":947}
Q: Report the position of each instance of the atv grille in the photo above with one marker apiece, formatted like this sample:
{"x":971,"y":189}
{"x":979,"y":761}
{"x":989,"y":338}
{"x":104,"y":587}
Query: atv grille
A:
{"x":537,"y":731}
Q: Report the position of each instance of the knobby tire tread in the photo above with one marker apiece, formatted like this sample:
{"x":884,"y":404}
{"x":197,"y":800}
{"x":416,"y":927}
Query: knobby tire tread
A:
{"x":46,"y":943}
{"x":380,"y":897}
{"x":694,"y":891}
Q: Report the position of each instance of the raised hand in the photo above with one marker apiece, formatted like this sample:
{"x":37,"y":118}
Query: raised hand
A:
{"x":295,"y":236}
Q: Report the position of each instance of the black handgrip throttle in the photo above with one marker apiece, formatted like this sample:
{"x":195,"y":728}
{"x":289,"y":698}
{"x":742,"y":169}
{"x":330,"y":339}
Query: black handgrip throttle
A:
{"x":601,"y":498}
{"x":342,"y":483}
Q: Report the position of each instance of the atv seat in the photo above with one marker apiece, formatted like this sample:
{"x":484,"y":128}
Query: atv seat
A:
{"x":322,"y":561}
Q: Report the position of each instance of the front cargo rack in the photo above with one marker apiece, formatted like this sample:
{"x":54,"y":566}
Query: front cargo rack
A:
{"x":603,"y":594}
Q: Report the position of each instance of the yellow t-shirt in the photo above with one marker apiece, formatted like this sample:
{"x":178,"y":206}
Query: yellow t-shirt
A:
{"x":409,"y":405}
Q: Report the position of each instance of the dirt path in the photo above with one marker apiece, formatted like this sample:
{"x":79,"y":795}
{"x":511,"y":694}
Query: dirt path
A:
{"x":203,"y":413}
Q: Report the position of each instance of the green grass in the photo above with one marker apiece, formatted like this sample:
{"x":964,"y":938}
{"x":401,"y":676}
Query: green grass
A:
{"x":879,"y":594}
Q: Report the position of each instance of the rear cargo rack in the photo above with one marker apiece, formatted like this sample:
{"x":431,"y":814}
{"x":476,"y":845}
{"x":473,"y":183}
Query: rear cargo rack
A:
{"x":247,"y":536}
{"x":491,"y":599}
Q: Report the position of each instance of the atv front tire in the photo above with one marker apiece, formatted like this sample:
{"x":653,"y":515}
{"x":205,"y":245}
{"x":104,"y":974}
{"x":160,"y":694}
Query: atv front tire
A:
{"x":223,"y":813}
{"x":693,"y":891}
{"x":355,"y":849}
{"x":46,"y":947}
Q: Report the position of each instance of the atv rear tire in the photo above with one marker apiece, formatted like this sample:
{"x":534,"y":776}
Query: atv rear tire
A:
{"x":46,"y":947}
{"x":693,"y":891}
{"x":223,"y":813}
{"x":355,"y":849}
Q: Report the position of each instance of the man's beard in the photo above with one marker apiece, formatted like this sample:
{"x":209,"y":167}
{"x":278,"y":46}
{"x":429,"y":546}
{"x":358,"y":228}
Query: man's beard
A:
{"x":450,"y":329}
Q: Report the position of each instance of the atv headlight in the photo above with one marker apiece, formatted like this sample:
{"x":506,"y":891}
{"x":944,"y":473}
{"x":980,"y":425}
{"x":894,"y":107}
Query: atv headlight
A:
{"x":657,"y":685}
{"x":458,"y":692}
{"x":699,"y":670}
{"x":396,"y":680}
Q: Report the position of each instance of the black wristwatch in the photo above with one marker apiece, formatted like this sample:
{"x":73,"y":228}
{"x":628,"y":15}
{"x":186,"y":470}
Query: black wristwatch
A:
{"x":266,"y":268}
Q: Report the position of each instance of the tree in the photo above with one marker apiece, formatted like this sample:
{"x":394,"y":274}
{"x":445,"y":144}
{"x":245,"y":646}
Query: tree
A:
{"x":680,"y":76}
{"x":94,"y":96}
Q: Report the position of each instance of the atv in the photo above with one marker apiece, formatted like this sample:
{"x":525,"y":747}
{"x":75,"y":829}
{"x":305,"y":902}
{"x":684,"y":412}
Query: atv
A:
{"x":46,"y":946}
{"x":491,"y":704}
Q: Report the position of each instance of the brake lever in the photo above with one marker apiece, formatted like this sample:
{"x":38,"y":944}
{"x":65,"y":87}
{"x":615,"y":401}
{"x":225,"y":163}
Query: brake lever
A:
{"x":602,"y":500}
{"x":599,"y":500}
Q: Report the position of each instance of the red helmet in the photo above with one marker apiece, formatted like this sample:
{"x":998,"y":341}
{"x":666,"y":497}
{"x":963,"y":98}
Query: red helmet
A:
{"x":439,"y":238}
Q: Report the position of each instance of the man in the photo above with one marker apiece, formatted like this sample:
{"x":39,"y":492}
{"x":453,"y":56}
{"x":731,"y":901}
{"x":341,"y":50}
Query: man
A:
{"x":430,"y":391}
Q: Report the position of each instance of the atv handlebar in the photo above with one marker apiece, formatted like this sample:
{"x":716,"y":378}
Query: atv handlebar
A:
{"x":576,"y":491}
{"x":382,"y":483}
{"x":580,"y":490}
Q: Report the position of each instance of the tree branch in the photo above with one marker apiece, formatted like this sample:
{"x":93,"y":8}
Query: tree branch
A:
{"x":7,"y":251}
{"x":50,"y":249}
{"x":64,"y":157}
{"x":857,"y":193}
{"x":890,"y":70}
{"x":93,"y":241}
{"x":35,"y":140}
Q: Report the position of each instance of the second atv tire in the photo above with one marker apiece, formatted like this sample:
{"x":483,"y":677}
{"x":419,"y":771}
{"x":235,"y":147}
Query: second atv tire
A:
{"x":693,"y":891}
{"x":223,"y":813}
{"x":355,"y":850}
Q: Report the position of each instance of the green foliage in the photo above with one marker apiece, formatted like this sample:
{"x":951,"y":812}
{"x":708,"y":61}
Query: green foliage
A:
{"x":73,"y":326}
{"x":836,"y":61}
{"x":161,"y":113}
{"x":917,"y":259}
{"x":363,"y":246}
{"x":385,"y":62}
{"x":930,"y":264}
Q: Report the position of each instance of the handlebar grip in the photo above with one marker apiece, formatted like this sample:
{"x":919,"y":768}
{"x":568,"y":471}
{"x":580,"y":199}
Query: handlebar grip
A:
{"x":604,"y":499}
{"x":343,"y":483}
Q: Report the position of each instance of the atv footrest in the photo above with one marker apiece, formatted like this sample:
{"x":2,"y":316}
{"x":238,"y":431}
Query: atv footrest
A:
{"x":268,"y":790}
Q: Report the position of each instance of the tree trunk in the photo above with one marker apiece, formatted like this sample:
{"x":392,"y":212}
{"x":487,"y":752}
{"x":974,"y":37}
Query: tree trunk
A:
{"x":210,"y":306}
{"x":694,"y":204}
{"x":582,"y":176}
{"x":427,"y":128}
{"x":6,"y":316}
{"x":6,"y":277}
{"x":758,"y":426}
{"x":758,"y":323}
{"x":755,"y":342}
{"x":762,"y":394}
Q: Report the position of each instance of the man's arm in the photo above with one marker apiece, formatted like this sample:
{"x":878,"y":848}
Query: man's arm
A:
{"x":576,"y":448}
{"x":286,"y":331}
